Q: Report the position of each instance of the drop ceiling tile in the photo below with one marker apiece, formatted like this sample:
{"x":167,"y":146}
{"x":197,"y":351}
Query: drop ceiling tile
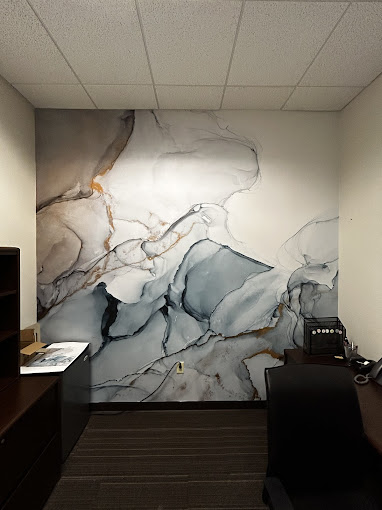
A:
{"x":353,"y":53}
{"x":55,"y":96}
{"x":27,"y":53}
{"x":321,"y":98}
{"x":189,"y":97}
{"x":278,"y":40}
{"x":255,"y":98}
{"x":111,"y":97}
{"x":101,"y":39}
{"x":189,"y":42}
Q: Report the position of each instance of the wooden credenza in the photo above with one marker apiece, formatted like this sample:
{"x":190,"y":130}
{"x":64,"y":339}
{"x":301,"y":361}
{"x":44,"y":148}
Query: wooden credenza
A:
{"x":30,"y":444}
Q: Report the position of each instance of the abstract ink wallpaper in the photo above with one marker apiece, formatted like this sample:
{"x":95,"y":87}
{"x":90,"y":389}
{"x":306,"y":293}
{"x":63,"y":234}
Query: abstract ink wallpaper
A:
{"x":138,"y":252}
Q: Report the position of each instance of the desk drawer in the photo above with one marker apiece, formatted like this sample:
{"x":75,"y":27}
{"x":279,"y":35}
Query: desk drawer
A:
{"x":22,"y":444}
{"x":38,"y":483}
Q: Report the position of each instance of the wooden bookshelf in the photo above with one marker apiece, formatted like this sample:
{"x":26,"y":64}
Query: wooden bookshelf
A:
{"x":9,"y":315}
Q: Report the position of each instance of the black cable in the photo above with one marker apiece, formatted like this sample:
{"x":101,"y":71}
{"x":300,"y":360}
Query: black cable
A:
{"x":168,"y":373}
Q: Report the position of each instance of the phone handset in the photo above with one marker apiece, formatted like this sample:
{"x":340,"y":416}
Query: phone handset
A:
{"x":375,"y":373}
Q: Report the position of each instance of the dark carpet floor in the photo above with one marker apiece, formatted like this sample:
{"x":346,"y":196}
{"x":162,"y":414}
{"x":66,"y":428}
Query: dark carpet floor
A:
{"x":159,"y":460}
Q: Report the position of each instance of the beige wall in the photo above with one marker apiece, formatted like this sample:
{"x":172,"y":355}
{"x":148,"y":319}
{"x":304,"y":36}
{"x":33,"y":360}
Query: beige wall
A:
{"x":18,"y":190}
{"x":360,"y":239}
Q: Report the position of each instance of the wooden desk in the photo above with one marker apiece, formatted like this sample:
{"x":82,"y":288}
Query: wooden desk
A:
{"x":369,"y":395}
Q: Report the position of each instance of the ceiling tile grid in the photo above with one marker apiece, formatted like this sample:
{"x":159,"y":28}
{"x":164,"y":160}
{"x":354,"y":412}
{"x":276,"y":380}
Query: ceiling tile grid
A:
{"x":353,"y":54}
{"x":278,"y":40}
{"x":321,"y":98}
{"x":255,"y":98}
{"x":189,"y":42}
{"x":191,"y":54}
{"x":46,"y":95}
{"x":189,"y":97}
{"x":27,"y":53}
{"x":102,"y":40}
{"x":130,"y":97}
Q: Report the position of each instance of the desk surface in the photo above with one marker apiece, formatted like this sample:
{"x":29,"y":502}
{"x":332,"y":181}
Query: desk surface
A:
{"x":20,"y":396}
{"x":369,"y":395}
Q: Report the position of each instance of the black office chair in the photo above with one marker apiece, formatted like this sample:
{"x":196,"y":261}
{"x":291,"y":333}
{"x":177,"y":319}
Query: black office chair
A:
{"x":319,"y":458}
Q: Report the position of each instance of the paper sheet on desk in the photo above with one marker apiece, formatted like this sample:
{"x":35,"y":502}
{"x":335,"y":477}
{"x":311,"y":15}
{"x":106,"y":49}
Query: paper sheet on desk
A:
{"x":57,"y":358}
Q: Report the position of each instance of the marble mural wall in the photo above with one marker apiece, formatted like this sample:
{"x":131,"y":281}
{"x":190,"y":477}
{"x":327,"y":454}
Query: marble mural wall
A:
{"x":166,"y":236}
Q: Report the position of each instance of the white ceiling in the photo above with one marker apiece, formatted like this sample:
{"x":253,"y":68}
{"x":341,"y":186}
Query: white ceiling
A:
{"x":193,"y":54}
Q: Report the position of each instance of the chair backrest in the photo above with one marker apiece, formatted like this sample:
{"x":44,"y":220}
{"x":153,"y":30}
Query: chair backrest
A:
{"x":315,"y":431}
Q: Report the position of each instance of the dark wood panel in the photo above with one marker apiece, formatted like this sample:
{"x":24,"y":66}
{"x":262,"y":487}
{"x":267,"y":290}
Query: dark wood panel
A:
{"x":9,"y":312}
{"x":19,"y":397}
{"x":9,"y":356}
{"x":21,"y":445}
{"x":74,"y":385}
{"x":29,"y":420}
{"x":10,"y":269}
{"x":6,"y":333}
{"x":6,"y":293}
{"x":36,"y":486}
{"x":75,"y":401}
{"x":299,"y":356}
{"x":9,"y":315}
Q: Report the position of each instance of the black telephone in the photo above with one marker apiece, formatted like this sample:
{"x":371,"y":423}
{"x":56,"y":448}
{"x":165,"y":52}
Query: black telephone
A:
{"x":375,"y":373}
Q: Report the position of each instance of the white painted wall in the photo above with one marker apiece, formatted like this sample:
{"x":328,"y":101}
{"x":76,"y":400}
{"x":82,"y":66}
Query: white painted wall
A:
{"x":18,"y":190}
{"x":360,"y":238}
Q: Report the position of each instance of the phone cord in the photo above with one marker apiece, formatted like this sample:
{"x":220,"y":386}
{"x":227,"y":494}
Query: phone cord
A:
{"x":362,"y":379}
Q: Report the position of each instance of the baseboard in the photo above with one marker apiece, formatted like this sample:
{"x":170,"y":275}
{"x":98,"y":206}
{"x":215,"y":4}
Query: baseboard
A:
{"x":162,"y":406}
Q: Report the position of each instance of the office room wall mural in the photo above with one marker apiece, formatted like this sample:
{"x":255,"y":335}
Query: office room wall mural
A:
{"x":202,"y":237}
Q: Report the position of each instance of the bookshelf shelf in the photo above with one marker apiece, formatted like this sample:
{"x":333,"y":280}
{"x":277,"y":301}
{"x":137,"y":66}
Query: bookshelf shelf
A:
{"x":8,"y":293}
{"x":5,"y":334}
